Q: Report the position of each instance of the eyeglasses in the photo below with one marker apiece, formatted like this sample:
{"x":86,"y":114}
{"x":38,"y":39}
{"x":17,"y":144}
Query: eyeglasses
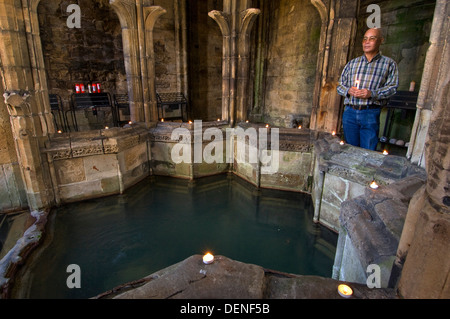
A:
{"x":371,"y":39}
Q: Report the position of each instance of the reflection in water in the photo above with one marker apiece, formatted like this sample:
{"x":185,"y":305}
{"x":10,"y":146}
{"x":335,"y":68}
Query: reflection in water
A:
{"x":163,"y":221}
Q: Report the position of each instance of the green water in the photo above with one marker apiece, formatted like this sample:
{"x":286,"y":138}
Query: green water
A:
{"x":163,"y":221}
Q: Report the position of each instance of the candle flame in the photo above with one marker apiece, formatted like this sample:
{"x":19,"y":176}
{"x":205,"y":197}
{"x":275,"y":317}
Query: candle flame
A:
{"x":373,"y":185}
{"x":342,"y":143}
{"x":385,"y":152}
{"x":333,"y":133}
{"x":345,"y":291}
{"x":208,"y":258}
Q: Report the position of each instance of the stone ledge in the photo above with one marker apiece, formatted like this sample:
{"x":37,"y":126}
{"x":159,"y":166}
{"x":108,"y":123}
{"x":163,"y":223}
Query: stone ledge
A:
{"x":229,"y":279}
{"x":374,"y":223}
{"x":95,"y":142}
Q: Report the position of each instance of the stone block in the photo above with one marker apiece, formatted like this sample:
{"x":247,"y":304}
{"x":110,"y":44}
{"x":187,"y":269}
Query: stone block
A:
{"x":80,"y":191}
{"x":100,"y":167}
{"x":70,"y":171}
{"x":12,"y":191}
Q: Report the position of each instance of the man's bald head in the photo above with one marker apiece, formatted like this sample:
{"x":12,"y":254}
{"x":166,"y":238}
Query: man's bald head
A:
{"x":372,"y":41}
{"x":375,"y":31}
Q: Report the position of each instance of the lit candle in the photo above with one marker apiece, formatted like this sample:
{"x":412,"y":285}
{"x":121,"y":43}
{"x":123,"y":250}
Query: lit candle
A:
{"x":106,"y":128}
{"x":357,"y":84}
{"x":299,"y":127}
{"x":162,"y":120}
{"x":342,"y":143}
{"x":190,"y":122}
{"x":59,"y":132}
{"x":385,"y":152}
{"x":267,"y":125}
{"x":208,"y":259}
{"x":246,"y":121}
{"x":333,"y":133}
{"x":374,"y":185}
{"x":345,"y":291}
{"x":130,"y":122}
{"x":218,"y":120}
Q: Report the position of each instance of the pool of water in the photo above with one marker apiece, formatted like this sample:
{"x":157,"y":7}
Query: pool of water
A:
{"x":163,"y":221}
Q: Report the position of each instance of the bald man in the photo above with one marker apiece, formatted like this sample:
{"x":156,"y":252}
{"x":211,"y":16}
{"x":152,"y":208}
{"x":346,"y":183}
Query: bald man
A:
{"x":367,"y":83}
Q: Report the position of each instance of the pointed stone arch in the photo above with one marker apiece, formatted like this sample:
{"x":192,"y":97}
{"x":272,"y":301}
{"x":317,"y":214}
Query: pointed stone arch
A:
{"x":235,"y":22}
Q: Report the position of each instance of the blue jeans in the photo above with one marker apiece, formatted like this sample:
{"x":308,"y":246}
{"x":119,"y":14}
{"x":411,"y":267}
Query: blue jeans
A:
{"x":361,"y":128}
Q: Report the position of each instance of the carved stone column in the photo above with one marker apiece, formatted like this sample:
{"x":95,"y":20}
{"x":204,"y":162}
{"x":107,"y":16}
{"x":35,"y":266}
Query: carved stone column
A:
{"x":235,"y":21}
{"x":26,"y":95}
{"x":127,"y":13}
{"x":137,"y":19}
{"x":336,"y":41}
{"x":424,"y":244}
{"x":151,"y":15}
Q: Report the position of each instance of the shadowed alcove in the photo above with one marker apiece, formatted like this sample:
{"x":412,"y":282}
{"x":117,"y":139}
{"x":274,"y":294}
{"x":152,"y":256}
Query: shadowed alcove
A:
{"x":90,"y":54}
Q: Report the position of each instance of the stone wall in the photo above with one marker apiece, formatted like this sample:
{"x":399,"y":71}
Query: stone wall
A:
{"x":12,"y":190}
{"x":290,"y":59}
{"x":371,"y":226}
{"x":165,"y":49}
{"x":205,"y":60}
{"x":344,"y":172}
{"x":92,"y":53}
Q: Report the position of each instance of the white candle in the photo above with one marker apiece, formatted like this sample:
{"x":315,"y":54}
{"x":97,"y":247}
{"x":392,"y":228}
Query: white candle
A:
{"x":208,"y":259}
{"x":357,"y":84}
{"x":345,"y":291}
{"x":374,"y":185}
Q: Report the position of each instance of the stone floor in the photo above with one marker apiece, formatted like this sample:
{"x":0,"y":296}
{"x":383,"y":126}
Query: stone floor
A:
{"x":230,"y":279}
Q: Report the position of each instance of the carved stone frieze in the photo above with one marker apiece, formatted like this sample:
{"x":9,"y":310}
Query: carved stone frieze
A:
{"x":87,"y":150}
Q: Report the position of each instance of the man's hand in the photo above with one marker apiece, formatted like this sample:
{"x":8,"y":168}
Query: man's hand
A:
{"x":360,"y":94}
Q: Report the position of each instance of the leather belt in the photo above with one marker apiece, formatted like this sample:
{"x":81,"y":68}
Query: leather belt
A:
{"x":364,"y":107}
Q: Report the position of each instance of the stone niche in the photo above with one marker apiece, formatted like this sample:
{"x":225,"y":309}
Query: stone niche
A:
{"x":90,"y":54}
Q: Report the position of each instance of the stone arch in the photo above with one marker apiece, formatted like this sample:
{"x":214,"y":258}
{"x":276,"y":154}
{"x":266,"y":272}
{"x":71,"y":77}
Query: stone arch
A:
{"x":151,"y":15}
{"x":290,"y":46}
{"x":126,"y":12}
{"x":78,"y":66}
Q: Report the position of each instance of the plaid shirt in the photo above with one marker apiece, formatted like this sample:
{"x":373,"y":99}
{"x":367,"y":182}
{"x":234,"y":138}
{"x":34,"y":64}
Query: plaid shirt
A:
{"x":380,"y":76}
